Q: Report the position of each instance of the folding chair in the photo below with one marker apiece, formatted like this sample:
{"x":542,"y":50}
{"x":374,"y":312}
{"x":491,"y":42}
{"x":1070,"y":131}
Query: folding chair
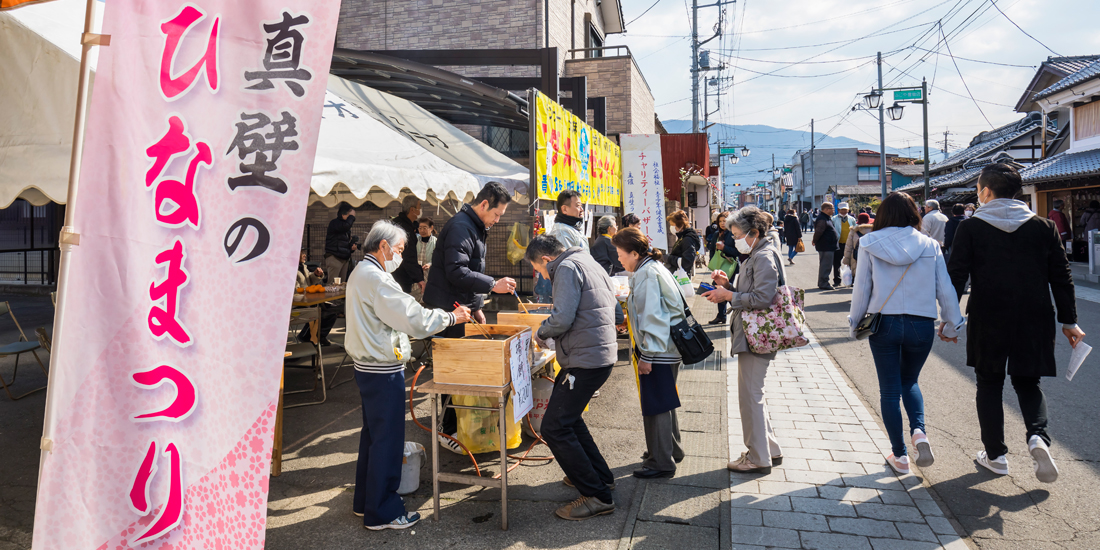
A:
{"x":304,"y":350}
{"x":23,"y":345}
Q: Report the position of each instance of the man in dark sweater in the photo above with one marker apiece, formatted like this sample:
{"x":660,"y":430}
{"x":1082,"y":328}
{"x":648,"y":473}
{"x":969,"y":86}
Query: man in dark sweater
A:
{"x":409,"y":273}
{"x":1015,"y":262}
{"x":825,"y":242}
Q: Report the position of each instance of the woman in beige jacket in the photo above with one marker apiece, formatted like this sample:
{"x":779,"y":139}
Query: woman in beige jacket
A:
{"x":850,"y":255}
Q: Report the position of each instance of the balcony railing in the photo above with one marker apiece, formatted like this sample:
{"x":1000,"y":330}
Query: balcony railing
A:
{"x":602,"y":50}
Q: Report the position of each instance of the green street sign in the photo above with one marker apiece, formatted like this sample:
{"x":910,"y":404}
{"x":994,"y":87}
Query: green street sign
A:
{"x":900,"y":95}
{"x":786,"y":169}
{"x":728,"y":150}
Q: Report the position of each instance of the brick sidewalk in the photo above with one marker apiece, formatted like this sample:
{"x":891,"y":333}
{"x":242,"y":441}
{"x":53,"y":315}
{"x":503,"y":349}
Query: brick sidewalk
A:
{"x":834,"y":489}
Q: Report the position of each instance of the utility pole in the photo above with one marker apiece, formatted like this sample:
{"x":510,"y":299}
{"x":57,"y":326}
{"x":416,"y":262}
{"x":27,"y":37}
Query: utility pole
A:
{"x":695,"y":66}
{"x":924,"y":97}
{"x":813,"y":168}
{"x":881,"y":130}
{"x":945,"y":133}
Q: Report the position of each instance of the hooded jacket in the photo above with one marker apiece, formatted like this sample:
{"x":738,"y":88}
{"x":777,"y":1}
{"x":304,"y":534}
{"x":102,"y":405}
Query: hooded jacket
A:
{"x":568,"y":234}
{"x":582,"y":320}
{"x":654,"y":306}
{"x":1015,"y":262}
{"x":381,"y":317}
{"x":884,"y":257}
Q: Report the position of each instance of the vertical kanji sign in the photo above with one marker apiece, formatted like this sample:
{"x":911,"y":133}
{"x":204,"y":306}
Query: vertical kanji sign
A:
{"x":197,"y":160}
{"x":643,"y":188}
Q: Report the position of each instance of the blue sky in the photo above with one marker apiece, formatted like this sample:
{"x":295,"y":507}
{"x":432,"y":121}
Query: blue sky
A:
{"x":831,"y":76}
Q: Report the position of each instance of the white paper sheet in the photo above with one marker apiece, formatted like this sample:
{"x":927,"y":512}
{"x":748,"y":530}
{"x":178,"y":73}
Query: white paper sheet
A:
{"x":522,"y":397}
{"x":1077,"y":358}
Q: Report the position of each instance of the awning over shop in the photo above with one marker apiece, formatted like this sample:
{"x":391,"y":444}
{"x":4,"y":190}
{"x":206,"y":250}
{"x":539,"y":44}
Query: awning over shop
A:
{"x":39,"y":68}
{"x":434,"y":134}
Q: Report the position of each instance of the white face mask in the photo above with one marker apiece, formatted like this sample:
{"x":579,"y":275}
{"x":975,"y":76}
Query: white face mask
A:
{"x":393,"y":263}
{"x":968,"y":213}
{"x":742,"y":245}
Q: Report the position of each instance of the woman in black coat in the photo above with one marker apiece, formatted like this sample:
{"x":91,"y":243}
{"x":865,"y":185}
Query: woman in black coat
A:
{"x":792,"y":232}
{"x":687,"y":245}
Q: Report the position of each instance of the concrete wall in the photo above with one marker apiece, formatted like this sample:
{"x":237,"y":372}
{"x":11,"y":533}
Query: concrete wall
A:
{"x":831,"y":168}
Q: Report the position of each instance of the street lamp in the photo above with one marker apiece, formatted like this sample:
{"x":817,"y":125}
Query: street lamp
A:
{"x":895,"y":111}
{"x":873,"y":99}
{"x":745,"y":151}
{"x":734,"y":159}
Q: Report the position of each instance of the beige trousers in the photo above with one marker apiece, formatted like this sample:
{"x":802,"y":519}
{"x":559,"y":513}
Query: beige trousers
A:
{"x":755,"y":422}
{"x":335,"y":267}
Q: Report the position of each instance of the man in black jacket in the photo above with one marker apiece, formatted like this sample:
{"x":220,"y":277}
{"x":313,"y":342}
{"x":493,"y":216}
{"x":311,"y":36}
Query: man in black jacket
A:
{"x":1015,"y":261}
{"x":603,"y":251}
{"x":338,"y":245}
{"x":825,"y":242}
{"x":409,"y":273}
{"x":792,"y":233}
{"x":456,"y":272}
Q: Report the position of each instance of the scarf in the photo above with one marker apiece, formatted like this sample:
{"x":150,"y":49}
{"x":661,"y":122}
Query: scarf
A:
{"x":568,"y":220}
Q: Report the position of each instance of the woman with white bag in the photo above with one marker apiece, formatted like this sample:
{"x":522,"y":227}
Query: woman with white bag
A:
{"x":900,"y":276}
{"x":757,"y":284}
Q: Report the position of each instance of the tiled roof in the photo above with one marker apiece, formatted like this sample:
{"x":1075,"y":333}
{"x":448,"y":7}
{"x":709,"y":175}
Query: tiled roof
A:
{"x":988,"y":142}
{"x":1070,"y":65}
{"x":960,"y":178}
{"x":910,"y":170}
{"x":1064,"y":166}
{"x":1092,"y":70}
{"x":849,"y":190}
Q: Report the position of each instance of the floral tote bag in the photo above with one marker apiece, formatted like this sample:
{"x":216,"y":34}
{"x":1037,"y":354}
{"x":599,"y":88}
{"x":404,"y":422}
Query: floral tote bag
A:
{"x":782,"y":325}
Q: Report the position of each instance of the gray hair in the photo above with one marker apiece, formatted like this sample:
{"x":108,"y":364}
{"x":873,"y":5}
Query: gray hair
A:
{"x":933,"y":204}
{"x":747,"y":219}
{"x":383,"y":230}
{"x":543,"y":245}
{"x":409,"y":202}
{"x":604,"y":224}
{"x":1059,"y":203}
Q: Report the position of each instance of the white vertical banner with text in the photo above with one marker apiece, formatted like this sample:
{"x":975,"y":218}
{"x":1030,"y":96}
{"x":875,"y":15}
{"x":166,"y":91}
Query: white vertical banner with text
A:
{"x":643,"y":183}
{"x":198,"y":155}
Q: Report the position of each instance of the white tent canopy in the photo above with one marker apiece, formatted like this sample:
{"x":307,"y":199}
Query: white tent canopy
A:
{"x":39,"y":70}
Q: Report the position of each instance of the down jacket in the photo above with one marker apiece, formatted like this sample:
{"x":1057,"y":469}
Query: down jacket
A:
{"x":582,"y":320}
{"x":458,"y":263}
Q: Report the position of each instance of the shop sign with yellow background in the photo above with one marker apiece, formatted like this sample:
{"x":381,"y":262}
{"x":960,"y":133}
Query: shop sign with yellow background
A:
{"x":571,"y":155}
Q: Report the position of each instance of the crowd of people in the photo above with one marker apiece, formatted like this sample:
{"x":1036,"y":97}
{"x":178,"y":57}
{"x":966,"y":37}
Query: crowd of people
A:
{"x":909,"y":269}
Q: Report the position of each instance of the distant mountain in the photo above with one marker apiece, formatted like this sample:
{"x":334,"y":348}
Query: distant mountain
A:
{"x":763,"y":141}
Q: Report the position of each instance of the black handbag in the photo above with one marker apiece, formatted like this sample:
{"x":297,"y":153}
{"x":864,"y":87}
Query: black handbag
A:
{"x":870,"y":323}
{"x":691,"y":340}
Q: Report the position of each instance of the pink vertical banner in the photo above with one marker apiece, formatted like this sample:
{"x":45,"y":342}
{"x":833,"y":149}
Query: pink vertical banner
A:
{"x":199,"y":148}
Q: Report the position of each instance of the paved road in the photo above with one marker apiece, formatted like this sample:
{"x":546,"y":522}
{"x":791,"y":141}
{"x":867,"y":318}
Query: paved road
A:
{"x":1014,"y":511}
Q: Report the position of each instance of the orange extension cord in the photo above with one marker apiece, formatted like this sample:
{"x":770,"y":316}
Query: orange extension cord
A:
{"x":477,"y":469}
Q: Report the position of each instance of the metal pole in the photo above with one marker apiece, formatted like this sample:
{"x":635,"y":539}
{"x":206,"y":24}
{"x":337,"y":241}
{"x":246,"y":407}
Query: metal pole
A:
{"x":881,"y":129}
{"x":924,"y":105}
{"x":813,"y":168}
{"x":69,"y":236}
{"x":694,"y":66}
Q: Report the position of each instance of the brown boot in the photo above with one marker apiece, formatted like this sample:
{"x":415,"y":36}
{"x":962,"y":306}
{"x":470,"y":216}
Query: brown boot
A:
{"x":745,"y":466}
{"x":584,"y":508}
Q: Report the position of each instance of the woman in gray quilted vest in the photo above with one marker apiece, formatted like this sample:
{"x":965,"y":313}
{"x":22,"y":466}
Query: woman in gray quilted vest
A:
{"x":756,"y":286}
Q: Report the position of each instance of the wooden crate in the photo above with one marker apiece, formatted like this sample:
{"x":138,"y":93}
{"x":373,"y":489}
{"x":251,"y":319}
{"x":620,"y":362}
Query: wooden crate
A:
{"x":519,"y":318}
{"x":475,"y":362}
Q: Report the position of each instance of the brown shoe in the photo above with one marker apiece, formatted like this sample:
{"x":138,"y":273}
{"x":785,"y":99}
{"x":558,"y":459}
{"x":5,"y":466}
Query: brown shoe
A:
{"x":745,"y":466}
{"x":584,"y":508}
{"x":569,"y":483}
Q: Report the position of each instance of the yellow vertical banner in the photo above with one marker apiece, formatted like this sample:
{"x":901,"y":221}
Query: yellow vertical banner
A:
{"x":569,"y":154}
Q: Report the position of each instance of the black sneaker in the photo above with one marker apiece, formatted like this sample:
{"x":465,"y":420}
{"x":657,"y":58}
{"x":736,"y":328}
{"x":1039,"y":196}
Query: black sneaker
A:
{"x":719,"y":320}
{"x":402,"y":522}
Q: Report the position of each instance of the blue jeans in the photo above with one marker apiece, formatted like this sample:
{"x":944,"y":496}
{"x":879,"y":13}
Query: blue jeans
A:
{"x":790,"y":252}
{"x":900,"y":348}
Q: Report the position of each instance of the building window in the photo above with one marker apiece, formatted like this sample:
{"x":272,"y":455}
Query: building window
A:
{"x":1086,"y":121}
{"x":594,"y":41}
{"x":867,"y":173}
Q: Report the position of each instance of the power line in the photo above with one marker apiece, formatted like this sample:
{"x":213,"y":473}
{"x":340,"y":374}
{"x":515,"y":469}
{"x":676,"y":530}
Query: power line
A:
{"x":981,"y":61}
{"x":644,"y":12}
{"x":994,"y":2}
{"x":952,"y":56}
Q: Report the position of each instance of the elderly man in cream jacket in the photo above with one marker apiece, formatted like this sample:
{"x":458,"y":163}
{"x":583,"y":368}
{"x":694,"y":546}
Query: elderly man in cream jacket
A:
{"x":380,"y":318}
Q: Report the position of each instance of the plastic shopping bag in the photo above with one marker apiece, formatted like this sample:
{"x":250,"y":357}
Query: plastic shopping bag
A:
{"x":684,"y":281}
{"x":845,"y":276}
{"x":517,"y":242}
{"x":478,"y":430}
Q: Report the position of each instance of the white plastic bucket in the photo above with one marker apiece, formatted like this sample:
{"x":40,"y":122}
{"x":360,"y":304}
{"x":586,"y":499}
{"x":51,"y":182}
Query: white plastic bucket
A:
{"x":541,"y":389}
{"x":410,"y":468}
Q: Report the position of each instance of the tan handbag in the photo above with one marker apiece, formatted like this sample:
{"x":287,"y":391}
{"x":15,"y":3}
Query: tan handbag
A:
{"x":799,"y":247}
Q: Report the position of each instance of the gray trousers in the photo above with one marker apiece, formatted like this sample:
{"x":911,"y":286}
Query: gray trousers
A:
{"x":662,"y":437}
{"x":824,"y":267}
{"x":755,"y":422}
{"x":335,"y":267}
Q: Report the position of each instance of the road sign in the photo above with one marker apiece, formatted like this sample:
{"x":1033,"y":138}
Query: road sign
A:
{"x":728,"y":150}
{"x":914,"y":94}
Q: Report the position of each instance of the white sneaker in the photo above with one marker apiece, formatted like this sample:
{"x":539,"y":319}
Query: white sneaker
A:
{"x":998,"y":466}
{"x":449,"y":444}
{"x":1045,"y":470}
{"x":898,"y":464}
{"x":925,"y":458}
{"x":402,"y":522}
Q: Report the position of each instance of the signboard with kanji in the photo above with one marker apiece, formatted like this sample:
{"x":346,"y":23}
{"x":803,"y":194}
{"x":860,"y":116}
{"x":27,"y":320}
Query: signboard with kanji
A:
{"x":569,"y":154}
{"x":643,"y":188}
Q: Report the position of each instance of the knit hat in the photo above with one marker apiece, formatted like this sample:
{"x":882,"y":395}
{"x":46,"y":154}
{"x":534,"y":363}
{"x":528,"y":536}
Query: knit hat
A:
{"x":863,"y":218}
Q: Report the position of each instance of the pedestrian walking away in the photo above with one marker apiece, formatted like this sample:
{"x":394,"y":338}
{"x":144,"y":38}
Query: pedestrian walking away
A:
{"x":381,"y":317}
{"x":901,"y":277}
{"x":792,"y":230}
{"x":851,"y":249}
{"x":934,"y":223}
{"x":843,"y":222}
{"x":805,"y":220}
{"x":825,"y":241}
{"x":653,"y":308}
{"x":958,"y":214}
{"x":582,"y":323}
{"x":1015,"y":262}
{"x":756,"y":287}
